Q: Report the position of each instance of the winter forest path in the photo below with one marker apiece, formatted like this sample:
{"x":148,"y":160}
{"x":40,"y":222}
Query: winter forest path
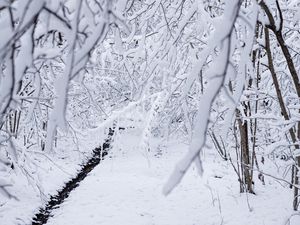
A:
{"x":126,"y":188}
{"x":56,"y":200}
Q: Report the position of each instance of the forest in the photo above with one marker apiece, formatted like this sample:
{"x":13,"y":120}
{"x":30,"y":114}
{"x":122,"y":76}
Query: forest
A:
{"x":150,"y":112}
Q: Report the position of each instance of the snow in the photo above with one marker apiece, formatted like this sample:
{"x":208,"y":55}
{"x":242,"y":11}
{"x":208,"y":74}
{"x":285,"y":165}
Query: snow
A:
{"x":50,"y":172}
{"x":125,"y":189}
{"x":157,"y":64}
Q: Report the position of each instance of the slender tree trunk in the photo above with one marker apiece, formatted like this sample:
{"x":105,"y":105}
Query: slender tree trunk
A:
{"x":246,"y":181}
{"x":245,"y":154}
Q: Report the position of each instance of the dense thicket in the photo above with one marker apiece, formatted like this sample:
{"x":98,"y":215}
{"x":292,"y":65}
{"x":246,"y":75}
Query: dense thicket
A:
{"x":214,"y":72}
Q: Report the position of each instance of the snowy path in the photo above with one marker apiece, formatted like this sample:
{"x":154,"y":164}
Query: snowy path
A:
{"x":124,"y":190}
{"x":55,"y":200}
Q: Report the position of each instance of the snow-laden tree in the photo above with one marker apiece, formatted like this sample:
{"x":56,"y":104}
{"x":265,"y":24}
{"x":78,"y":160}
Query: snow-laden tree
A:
{"x":239,"y":88}
{"x":46,"y":45}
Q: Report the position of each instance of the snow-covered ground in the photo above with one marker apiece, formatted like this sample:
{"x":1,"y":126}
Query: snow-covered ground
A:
{"x":46,"y":173}
{"x":126,"y":188}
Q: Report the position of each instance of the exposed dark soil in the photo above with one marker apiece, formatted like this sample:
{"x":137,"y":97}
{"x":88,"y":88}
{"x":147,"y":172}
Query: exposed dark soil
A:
{"x":45,"y":212}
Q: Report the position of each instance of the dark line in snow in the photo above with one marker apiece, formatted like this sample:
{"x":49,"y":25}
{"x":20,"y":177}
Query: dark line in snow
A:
{"x":55,"y":200}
